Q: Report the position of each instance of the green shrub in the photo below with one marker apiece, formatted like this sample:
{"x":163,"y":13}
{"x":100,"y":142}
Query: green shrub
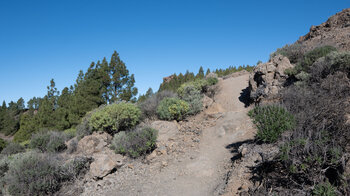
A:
{"x":70,"y":133}
{"x":3,"y":144}
{"x":49,"y":142}
{"x":302,"y":76}
{"x":324,"y":189}
{"x":32,"y":174}
{"x":271,"y":122}
{"x":84,"y":128}
{"x":311,"y":56}
{"x":294,"y":52}
{"x":194,"y":98}
{"x":200,"y":84}
{"x":75,"y":167}
{"x":212,"y":81}
{"x":172,"y":109}
{"x":12,"y":148}
{"x":4,"y":167}
{"x":116,"y":117}
{"x":304,"y":65}
{"x":135,"y":143}
{"x":330,"y":64}
{"x":149,"y":106}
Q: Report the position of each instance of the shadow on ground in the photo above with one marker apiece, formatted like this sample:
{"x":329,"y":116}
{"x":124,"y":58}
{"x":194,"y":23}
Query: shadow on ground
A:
{"x":245,"y":97}
{"x":234,"y":149}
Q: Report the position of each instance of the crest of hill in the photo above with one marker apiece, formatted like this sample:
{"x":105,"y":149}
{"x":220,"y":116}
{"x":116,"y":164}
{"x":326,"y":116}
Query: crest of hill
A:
{"x":334,"y":32}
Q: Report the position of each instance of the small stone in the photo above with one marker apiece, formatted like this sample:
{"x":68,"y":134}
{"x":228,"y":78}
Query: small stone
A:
{"x":164,"y":163}
{"x":244,"y":151}
{"x":130,"y":166}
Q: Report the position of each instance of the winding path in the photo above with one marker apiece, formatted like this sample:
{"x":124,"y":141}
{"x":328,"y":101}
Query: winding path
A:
{"x":205,"y":173}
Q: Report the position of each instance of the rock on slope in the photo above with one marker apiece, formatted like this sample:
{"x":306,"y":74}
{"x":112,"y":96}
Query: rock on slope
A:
{"x":268,"y":78}
{"x":335,"y":32}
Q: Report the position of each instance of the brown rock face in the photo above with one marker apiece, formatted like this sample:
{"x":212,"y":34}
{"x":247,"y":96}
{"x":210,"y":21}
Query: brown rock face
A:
{"x":335,"y":32}
{"x":94,"y":143}
{"x":104,"y":163}
{"x":268,"y":78}
{"x":104,"y":159}
{"x":168,"y":79}
{"x":166,"y":130}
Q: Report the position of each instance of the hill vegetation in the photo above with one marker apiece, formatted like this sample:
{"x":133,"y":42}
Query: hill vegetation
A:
{"x":313,"y":156}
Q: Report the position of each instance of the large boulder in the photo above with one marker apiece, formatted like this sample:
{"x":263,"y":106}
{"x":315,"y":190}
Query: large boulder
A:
{"x":166,"y":130}
{"x":94,"y":143}
{"x":104,"y":163}
{"x":268,"y":78}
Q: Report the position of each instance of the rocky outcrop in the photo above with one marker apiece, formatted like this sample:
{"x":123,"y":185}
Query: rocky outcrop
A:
{"x":335,"y":32}
{"x":268,"y":78}
{"x":168,"y":79}
{"x":211,"y":75}
{"x":105,"y":161}
{"x":94,"y":143}
{"x":207,"y":101}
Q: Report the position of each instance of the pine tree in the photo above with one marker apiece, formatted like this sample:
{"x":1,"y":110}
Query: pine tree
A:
{"x":200,"y":73}
{"x":64,"y":112}
{"x":20,"y":104}
{"x":3,"y":109}
{"x":208,"y":72}
{"x":142,"y":98}
{"x":122,"y":85}
{"x":33,"y":103}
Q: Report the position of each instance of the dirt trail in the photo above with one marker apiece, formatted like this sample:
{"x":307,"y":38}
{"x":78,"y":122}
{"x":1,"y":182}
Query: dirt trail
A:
{"x":203,"y":172}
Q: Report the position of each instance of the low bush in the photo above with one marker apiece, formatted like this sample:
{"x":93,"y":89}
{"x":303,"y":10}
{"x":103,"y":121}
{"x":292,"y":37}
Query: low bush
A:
{"x":172,"y":109}
{"x":149,"y":106}
{"x":199,"y":84}
{"x":294,"y":52}
{"x":194,"y":98}
{"x":34,"y":173}
{"x":72,"y":145}
{"x":311,"y":56}
{"x":70,"y":133}
{"x":305,"y":64}
{"x":84,"y":128}
{"x":12,"y":148}
{"x":135,"y":143}
{"x":271,"y":121}
{"x":324,"y":189}
{"x":3,"y":144}
{"x":212,"y":81}
{"x":115,"y":117}
{"x":49,"y":142}
{"x":75,"y":167}
{"x":330,"y":64}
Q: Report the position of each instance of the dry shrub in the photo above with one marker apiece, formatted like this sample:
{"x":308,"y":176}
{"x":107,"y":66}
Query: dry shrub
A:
{"x":316,"y":151}
{"x":149,"y":106}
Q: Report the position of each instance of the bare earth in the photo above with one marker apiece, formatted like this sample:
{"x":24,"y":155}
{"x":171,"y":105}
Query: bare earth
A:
{"x":198,"y":170}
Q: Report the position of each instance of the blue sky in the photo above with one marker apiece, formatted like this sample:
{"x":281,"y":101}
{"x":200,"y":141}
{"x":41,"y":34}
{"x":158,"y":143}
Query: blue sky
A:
{"x":40,"y":40}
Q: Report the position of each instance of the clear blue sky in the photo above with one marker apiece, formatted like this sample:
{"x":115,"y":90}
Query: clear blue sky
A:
{"x":40,"y":40}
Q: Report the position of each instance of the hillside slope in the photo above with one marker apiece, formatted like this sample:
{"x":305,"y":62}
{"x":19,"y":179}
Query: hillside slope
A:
{"x":200,"y":170}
